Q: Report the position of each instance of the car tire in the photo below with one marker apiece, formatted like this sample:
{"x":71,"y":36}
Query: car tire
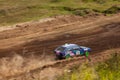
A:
{"x":59,"y":57}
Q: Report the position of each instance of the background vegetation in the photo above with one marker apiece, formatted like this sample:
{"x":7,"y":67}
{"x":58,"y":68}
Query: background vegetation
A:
{"x":108,"y":70}
{"x":15,"y":11}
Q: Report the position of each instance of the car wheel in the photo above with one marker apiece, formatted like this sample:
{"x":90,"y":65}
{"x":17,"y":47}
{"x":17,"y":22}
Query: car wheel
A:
{"x":59,"y":57}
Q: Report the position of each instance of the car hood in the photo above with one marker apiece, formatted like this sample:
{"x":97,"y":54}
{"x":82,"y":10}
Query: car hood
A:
{"x":85,"y":48}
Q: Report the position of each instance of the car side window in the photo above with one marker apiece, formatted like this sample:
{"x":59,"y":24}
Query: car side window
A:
{"x":76,"y":51}
{"x":61,"y":49}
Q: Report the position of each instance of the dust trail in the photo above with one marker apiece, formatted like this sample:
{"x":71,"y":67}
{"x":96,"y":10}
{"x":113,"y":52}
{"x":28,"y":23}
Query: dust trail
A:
{"x":18,"y":64}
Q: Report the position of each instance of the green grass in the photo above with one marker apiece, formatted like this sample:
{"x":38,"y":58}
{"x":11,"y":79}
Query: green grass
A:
{"x":108,"y":70}
{"x":15,"y":11}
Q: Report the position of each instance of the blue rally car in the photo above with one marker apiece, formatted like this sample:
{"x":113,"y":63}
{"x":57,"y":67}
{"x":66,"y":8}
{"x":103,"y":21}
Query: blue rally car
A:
{"x":71,"y":50}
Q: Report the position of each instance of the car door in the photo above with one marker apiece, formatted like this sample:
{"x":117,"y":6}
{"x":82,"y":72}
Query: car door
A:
{"x":78,"y":51}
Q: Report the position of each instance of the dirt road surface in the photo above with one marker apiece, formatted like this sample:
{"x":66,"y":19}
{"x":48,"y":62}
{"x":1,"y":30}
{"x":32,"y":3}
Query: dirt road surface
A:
{"x":34,"y":42}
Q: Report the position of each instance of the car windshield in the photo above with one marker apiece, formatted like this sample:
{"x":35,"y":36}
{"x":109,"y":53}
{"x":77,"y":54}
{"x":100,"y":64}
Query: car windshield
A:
{"x":61,"y":48}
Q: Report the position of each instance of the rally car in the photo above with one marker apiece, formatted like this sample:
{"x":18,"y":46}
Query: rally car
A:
{"x":71,"y":50}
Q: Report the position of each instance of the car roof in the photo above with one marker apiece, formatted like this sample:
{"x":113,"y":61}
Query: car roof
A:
{"x":70,"y":46}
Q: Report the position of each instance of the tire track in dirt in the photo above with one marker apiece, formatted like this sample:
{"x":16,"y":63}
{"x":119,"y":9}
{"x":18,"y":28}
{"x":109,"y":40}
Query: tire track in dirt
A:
{"x":61,"y":31}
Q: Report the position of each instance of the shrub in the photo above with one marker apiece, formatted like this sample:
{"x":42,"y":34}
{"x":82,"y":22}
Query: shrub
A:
{"x":82,"y":11}
{"x":97,"y":1}
{"x":83,"y":72}
{"x":56,"y":0}
{"x":3,"y":12}
{"x":111,"y":10}
{"x":108,"y":70}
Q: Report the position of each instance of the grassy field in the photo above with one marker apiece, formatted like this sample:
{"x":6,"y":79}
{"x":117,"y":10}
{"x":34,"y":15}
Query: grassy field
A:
{"x":16,"y":11}
{"x":108,"y":70}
